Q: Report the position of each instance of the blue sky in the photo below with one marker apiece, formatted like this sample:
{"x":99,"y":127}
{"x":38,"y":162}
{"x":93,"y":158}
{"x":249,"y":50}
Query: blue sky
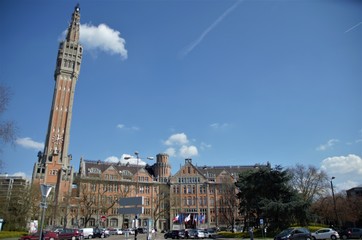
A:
{"x":222,"y":82}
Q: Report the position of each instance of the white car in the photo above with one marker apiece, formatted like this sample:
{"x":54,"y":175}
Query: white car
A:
{"x":200,"y":233}
{"x":325,"y":233}
{"x":115,"y":231}
{"x":129,"y":231}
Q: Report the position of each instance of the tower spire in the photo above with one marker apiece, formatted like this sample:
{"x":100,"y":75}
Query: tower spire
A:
{"x":73,"y":29}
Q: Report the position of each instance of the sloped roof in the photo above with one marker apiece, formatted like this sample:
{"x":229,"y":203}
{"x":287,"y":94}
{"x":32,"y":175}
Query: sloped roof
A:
{"x":94,"y":167}
{"x":218,"y":169}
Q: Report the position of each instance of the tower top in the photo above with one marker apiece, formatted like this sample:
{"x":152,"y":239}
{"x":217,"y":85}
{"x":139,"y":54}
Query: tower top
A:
{"x":73,"y":29}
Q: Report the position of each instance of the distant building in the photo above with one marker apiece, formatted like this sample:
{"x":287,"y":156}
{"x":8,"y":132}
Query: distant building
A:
{"x":12,"y":185}
{"x":13,"y":198}
{"x":354,"y":192}
{"x":194,"y":197}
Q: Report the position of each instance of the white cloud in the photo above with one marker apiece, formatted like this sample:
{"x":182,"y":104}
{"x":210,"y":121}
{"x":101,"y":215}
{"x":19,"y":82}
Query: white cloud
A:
{"x":112,"y":159}
{"x":179,"y":146}
{"x":124,"y":159}
{"x":124,"y":127}
{"x":347,"y":185}
{"x":219,"y":125}
{"x":347,"y":170}
{"x":351,"y":164}
{"x":171,"y":152}
{"x":102,"y":38}
{"x":29,"y":143}
{"x":188,"y":151}
{"x":177,"y":139}
{"x":22,"y":174}
{"x":328,"y":145}
{"x":205,"y":146}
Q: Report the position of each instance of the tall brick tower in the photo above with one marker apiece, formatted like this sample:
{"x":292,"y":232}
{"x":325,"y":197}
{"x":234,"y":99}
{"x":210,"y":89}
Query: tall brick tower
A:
{"x":162,"y":169}
{"x":53,"y":165}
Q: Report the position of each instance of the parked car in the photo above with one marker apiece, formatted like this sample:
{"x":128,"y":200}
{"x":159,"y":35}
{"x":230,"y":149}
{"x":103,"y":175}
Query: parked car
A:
{"x":200,"y":234}
{"x":210,"y":233}
{"x":168,"y":235}
{"x":115,"y":231}
{"x":69,"y":234}
{"x":325,"y":233}
{"x":129,"y":231}
{"x":47,"y":235}
{"x":99,"y":233}
{"x":175,"y":234}
{"x":191,"y":233}
{"x":105,"y":232}
{"x":142,"y":230}
{"x":86,"y":232}
{"x":351,"y":233}
{"x":294,"y":234}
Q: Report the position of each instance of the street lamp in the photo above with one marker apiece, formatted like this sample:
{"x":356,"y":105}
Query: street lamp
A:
{"x":137,"y":189}
{"x":45,"y":191}
{"x":138,"y":159}
{"x":334,"y":200}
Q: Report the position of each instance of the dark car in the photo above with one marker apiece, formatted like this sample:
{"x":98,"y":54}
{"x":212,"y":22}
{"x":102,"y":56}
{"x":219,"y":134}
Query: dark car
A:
{"x":142,"y":230}
{"x":294,"y":234}
{"x":175,"y":234}
{"x":351,"y":233}
{"x":99,"y":233}
{"x":167,"y":235}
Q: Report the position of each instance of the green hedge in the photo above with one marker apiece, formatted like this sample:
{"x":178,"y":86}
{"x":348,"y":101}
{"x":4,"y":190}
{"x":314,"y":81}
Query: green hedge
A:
{"x":11,"y":234}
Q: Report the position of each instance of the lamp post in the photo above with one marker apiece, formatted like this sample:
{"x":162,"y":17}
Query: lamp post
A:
{"x":45,"y":191}
{"x":138,"y":159}
{"x":137,"y":188}
{"x":334,"y":201}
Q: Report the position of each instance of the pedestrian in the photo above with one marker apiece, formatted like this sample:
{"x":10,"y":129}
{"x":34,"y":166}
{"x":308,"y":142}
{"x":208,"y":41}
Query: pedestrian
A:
{"x":251,"y":233}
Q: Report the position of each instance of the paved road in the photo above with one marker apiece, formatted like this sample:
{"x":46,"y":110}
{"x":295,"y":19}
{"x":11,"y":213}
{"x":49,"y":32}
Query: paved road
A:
{"x":159,"y":236}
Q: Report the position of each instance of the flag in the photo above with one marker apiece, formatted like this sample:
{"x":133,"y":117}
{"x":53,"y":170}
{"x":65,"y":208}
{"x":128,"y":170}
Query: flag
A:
{"x":188,"y":218}
{"x":175,"y":219}
{"x":202,"y":218}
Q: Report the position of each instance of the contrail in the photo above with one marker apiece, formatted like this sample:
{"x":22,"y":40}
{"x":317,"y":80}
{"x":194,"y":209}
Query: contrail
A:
{"x":188,"y":49}
{"x":353,"y":27}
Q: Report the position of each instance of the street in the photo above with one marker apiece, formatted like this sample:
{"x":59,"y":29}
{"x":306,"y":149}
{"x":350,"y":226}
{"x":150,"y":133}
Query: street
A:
{"x":159,"y":236}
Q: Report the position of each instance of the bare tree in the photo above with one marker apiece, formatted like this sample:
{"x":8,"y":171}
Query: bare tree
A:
{"x":33,"y":201}
{"x":7,"y":127}
{"x":86,"y":202}
{"x":348,"y":210}
{"x":95,"y":197}
{"x":228,"y":202}
{"x":310,"y":182}
{"x":160,"y":204}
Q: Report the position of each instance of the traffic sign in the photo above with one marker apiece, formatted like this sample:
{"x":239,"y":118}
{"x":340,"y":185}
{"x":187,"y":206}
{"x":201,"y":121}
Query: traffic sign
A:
{"x":131,"y":205}
{"x":103,"y":218}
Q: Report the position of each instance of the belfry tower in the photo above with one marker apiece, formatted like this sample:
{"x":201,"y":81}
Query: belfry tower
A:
{"x":53,"y":165}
